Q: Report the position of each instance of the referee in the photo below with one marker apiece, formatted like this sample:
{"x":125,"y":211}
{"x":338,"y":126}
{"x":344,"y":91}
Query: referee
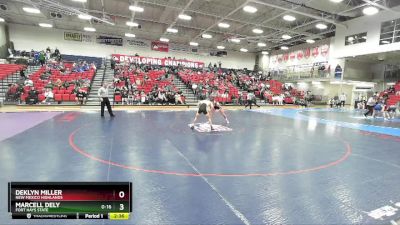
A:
{"x":103,"y":95}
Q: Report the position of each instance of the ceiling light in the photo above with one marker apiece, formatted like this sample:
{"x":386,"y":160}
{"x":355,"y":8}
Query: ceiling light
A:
{"x":385,"y":42}
{"x":257,"y":31}
{"x":46,"y":25}
{"x":1,"y":19}
{"x":136,"y":8}
{"x":284,"y":47}
{"x":350,"y":39}
{"x":289,"y":18}
{"x":336,"y":1}
{"x":370,"y":10}
{"x":224,"y":25}
{"x":321,"y":26}
{"x":31,"y":10}
{"x":250,"y":9}
{"x":235,"y":40}
{"x":130,"y":35}
{"x":310,"y":41}
{"x":84,"y":17}
{"x":184,"y":17}
{"x":194,"y":44}
{"x":83,"y":1}
{"x":286,"y":37}
{"x":164,"y":39}
{"x":244,"y":50}
{"x":264,"y":52}
{"x":261,"y":44}
{"x":172,"y":30}
{"x":208,"y":36}
{"x":90,"y":29}
{"x":132,"y":24}
{"x":220,"y":47}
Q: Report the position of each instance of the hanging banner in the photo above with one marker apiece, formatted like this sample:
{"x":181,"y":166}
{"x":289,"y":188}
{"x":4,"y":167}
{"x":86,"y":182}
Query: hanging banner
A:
{"x":137,"y":43}
{"x":292,"y":55}
{"x":159,"y":46}
{"x":307,"y":53}
{"x":315,"y":51}
{"x":300,"y":55}
{"x":70,"y":36}
{"x":109,"y":40}
{"x":324,"y":50}
{"x":157,"y":61}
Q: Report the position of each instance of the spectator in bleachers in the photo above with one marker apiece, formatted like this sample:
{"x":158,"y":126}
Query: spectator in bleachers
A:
{"x":161,"y":97}
{"x":33,"y":96}
{"x":48,"y":94}
{"x":179,"y":98}
{"x":58,"y":84}
{"x":124,"y":96}
{"x":42,"y":58}
{"x":11,"y":92}
{"x":28,"y":82}
{"x":22,"y":74}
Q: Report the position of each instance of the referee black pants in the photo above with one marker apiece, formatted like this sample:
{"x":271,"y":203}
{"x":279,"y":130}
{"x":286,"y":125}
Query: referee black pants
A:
{"x":106,"y":102}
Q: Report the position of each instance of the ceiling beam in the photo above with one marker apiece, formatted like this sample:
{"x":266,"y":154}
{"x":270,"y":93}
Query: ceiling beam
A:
{"x":379,"y":5}
{"x":222,"y":18}
{"x":298,"y":12}
{"x":181,"y":12}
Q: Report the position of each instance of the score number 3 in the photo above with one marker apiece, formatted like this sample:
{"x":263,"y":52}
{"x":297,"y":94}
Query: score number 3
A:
{"x":121,"y":195}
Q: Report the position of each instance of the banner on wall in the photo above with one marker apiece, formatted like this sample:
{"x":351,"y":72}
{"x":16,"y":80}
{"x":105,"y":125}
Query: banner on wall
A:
{"x":157,"y":61}
{"x":109,"y":40}
{"x":179,"y":48}
{"x":137,"y":43}
{"x":159,"y":46}
{"x":318,"y":52}
{"x":73,"y":36}
{"x":70,"y":36}
{"x":87,"y":38}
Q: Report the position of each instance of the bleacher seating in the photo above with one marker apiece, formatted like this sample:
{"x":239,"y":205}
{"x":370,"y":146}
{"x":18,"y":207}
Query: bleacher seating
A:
{"x":155,"y":78}
{"x":275,"y":88}
{"x":60,"y":94}
{"x":189,"y":77}
{"x":393,"y":99}
{"x":8,"y":69}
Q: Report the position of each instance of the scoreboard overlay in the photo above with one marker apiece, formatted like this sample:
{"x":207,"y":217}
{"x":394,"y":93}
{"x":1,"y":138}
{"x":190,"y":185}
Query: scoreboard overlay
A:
{"x":70,"y":200}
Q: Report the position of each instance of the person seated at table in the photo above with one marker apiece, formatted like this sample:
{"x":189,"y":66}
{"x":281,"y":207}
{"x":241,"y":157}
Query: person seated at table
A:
{"x":48,"y":94}
{"x":81,"y":96}
{"x":33,"y":96}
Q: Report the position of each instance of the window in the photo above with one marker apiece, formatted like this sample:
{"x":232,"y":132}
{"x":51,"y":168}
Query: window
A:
{"x":390,"y":32}
{"x":356,"y":39}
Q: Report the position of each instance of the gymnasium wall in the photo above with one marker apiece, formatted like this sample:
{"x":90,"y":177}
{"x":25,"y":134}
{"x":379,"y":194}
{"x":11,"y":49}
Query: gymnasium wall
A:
{"x":360,"y":71}
{"x":369,"y":24}
{"x":32,"y":37}
{"x":326,"y":89}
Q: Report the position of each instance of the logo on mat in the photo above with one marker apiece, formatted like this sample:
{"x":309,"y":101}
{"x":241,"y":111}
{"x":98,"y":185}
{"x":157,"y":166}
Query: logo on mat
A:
{"x":205,"y":127}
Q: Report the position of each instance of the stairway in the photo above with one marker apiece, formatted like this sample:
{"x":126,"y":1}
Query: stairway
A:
{"x":187,"y":92}
{"x":13,"y":79}
{"x":96,"y":84}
